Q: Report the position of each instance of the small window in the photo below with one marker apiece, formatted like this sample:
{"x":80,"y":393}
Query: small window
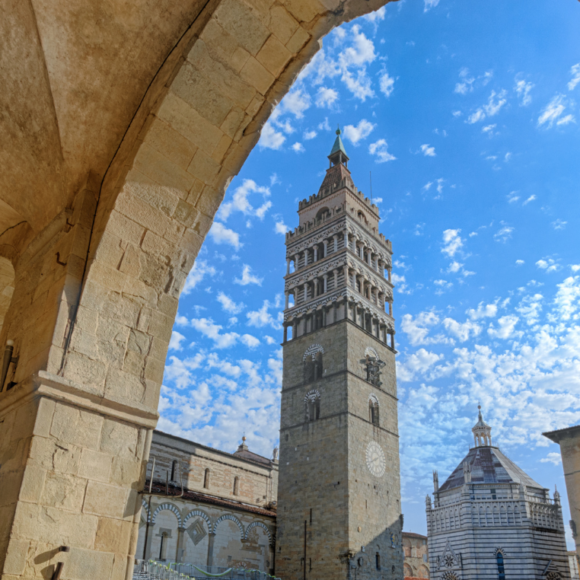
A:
{"x":312,"y":404}
{"x":378,"y":561}
{"x":206,"y":478}
{"x":236,"y":485}
{"x":500,"y":566}
{"x":374,"y":412}
{"x":173,"y":470}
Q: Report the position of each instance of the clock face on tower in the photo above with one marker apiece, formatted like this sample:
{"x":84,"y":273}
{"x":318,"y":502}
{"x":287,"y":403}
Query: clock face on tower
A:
{"x":375,"y":459}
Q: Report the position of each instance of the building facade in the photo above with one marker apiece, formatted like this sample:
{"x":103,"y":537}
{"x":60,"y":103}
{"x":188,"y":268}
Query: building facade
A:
{"x":416,"y":554}
{"x":208,"y":507}
{"x":339,"y":512}
{"x":490,"y":520}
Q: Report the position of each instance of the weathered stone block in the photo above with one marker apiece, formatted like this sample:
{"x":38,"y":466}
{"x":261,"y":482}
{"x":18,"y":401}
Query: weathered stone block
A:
{"x":63,"y":491}
{"x":15,"y":561}
{"x":166,"y":140}
{"x":32,"y":483}
{"x":255,"y":74}
{"x":126,"y":228}
{"x":88,"y":565}
{"x":282,"y":23}
{"x":95,"y":465}
{"x":77,"y":427}
{"x":113,"y":536}
{"x":105,"y":500}
{"x":119,"y":439}
{"x":298,"y":40}
{"x":204,"y":167}
{"x":274,"y":56}
{"x":85,"y":371}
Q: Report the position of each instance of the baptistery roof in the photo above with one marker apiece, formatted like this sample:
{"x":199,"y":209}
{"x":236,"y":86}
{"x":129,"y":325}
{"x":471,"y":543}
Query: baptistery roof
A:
{"x":487,"y":464}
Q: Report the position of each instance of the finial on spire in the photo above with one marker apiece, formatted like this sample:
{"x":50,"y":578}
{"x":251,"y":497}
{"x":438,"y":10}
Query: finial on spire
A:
{"x":338,"y":130}
{"x":338,"y":153}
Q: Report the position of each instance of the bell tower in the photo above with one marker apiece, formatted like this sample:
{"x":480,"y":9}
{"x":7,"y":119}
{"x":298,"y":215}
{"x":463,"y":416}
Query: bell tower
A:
{"x":339,"y":513}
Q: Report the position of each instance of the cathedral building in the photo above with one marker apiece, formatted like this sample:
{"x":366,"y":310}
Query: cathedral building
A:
{"x":339,"y":511}
{"x":490,"y":520}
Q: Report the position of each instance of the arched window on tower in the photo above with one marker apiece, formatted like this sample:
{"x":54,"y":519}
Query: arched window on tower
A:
{"x":374,"y":411}
{"x":500,"y":566}
{"x":236,"y":485}
{"x":312,"y":405}
{"x":323,"y":212}
{"x":206,"y":478}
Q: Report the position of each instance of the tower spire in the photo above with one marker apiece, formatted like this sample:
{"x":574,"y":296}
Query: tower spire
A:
{"x":481,"y":431}
{"x":338,"y":152}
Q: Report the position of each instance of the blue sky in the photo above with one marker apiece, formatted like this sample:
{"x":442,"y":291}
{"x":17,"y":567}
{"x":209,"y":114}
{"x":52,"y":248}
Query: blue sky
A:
{"x":466,"y":113}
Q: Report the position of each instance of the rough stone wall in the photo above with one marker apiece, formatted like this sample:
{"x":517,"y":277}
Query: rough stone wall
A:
{"x":6,"y":287}
{"x":98,"y":273}
{"x":323,"y":464}
{"x":570,"y":451}
{"x":416,"y":555}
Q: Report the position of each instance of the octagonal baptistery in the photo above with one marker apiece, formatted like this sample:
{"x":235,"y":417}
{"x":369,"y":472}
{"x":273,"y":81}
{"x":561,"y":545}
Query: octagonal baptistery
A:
{"x":490,"y":520}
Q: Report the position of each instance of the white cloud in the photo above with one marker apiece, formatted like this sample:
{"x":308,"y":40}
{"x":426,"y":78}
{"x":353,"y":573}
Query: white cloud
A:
{"x":248,"y":277}
{"x":552,"y":113}
{"x":482,"y":311}
{"x":281,"y":228}
{"x":240,"y":201}
{"x":513,"y":196}
{"x":361,"y":131}
{"x":530,"y":308}
{"x":489,"y":129}
{"x":559,"y":224}
{"x":461,"y":330}
{"x":503,"y":234}
{"x":208,"y":328}
{"x":452,"y":242}
{"x":375,"y":16}
{"x":309,"y":135}
{"x":222,"y":235}
{"x":400,"y":283}
{"x":249,"y":340}
{"x":269,"y":340}
{"x":519,"y":262}
{"x":552,"y":457}
{"x":296,"y":102}
{"x":442,"y":286}
{"x":428,"y":150}
{"x":324,"y":126}
{"x":454,"y":267}
{"x":326,"y":97}
{"x":380,"y":150}
{"x":575,"y":267}
{"x":566,"y":300}
{"x":176,"y":340}
{"x":228,"y":304}
{"x":262,"y":317}
{"x":575,"y":72}
{"x":270,"y":138}
{"x":523,"y":90}
{"x":200,"y":270}
{"x":531,"y":198}
{"x":506,"y":327}
{"x":386,"y":83}
{"x":415,"y":364}
{"x":490,"y":109}
{"x":548,"y":264}
{"x":298,"y":148}
{"x":430,"y":4}
{"x":417,"y":329}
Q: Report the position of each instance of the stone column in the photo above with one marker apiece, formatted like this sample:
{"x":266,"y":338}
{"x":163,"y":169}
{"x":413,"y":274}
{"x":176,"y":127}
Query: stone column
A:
{"x":287,"y":266}
{"x":294,"y":328}
{"x":180,"y":549}
{"x":390,"y":309}
{"x":287,"y":295}
{"x":389,"y":273}
{"x":315,"y":250}
{"x":335,"y":242}
{"x":335,"y":277}
{"x":285,"y":332}
{"x":296,"y":262}
{"x":325,"y":246}
{"x":346,"y":280}
{"x":305,"y":291}
{"x":325,"y":279}
{"x":306,"y":257}
{"x":210,"y":543}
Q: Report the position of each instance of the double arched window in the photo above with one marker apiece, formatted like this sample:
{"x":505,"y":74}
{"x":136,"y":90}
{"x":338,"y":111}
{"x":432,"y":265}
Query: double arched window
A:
{"x":374,"y":410}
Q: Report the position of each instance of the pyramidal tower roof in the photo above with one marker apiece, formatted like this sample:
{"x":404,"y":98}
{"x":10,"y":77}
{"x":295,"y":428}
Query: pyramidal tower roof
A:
{"x":338,"y":145}
{"x":485,"y":464}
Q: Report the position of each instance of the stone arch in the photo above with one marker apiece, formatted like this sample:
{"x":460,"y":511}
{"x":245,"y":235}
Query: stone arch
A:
{"x":200,"y":514}
{"x":232,"y":518}
{"x":312,"y":405}
{"x":170,"y":507}
{"x":259,"y":525}
{"x":312,"y":351}
{"x":499,"y":551}
{"x":146,"y":508}
{"x":370,"y":351}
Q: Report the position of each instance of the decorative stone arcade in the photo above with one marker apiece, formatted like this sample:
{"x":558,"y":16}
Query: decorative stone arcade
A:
{"x":339,"y":513}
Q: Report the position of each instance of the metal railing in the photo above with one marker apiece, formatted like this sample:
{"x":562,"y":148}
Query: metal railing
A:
{"x":153,"y":570}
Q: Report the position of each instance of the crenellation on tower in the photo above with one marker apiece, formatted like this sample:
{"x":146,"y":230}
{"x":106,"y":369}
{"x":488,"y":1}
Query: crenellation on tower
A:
{"x":339,"y":511}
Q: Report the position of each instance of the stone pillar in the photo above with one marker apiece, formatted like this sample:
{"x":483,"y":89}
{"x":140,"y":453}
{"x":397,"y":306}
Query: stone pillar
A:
{"x":294,"y":328}
{"x":346,"y":277}
{"x":335,"y":275}
{"x":390,"y":309}
{"x":305,"y":291}
{"x":180,"y":540}
{"x":335,"y":242}
{"x":296,"y":262}
{"x":210,"y":543}
{"x":306,"y":257}
{"x":325,"y":283}
{"x":325,"y":246}
{"x":315,"y":250}
{"x":287,"y":266}
{"x":287,"y":295}
{"x":389,"y":273}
